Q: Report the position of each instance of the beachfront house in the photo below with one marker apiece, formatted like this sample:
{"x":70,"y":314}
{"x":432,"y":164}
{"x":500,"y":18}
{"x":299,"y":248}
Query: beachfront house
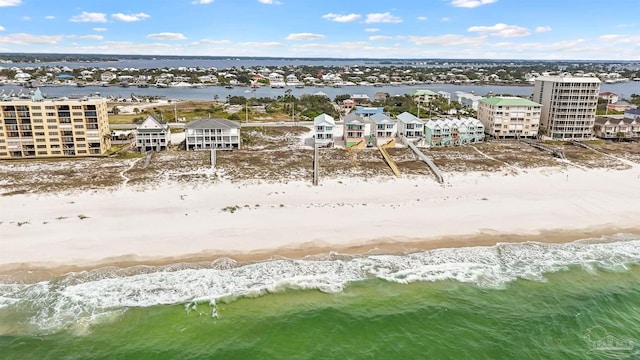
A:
{"x":411,"y":127}
{"x":152,"y":134}
{"x":207,"y":134}
{"x":354,"y":131}
{"x":451,"y":132}
{"x":424,"y":96}
{"x":324,"y":126}
{"x":610,"y":128}
{"x":383,"y":128}
{"x":366,"y":112}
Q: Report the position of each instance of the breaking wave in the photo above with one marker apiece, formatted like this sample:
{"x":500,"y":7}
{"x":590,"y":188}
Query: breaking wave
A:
{"x":86,"y":296}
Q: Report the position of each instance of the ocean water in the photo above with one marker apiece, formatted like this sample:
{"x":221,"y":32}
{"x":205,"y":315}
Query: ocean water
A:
{"x":579,"y":300}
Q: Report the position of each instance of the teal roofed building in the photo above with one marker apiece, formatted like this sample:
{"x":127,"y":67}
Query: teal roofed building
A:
{"x":510,"y":117}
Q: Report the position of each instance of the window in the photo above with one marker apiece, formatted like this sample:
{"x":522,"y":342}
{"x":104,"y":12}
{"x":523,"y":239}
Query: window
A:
{"x":52,"y":121}
{"x":52,"y":127}
{"x":48,"y":107}
{"x":53,"y":133}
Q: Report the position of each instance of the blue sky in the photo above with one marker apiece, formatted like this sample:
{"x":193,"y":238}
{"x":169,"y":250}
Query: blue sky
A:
{"x":502,"y":29}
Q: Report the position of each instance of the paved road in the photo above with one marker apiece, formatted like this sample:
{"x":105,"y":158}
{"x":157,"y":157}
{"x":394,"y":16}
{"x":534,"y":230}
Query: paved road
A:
{"x":250,"y":124}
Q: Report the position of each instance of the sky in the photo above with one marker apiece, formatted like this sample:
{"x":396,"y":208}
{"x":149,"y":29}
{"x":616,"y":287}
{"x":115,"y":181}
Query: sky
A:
{"x":459,"y":29}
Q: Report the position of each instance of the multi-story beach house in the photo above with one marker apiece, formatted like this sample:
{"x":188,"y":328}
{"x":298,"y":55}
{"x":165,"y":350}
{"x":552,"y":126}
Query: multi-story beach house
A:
{"x":509,"y":117}
{"x":38,"y":127}
{"x":383,"y":128}
{"x":355,"y":131}
{"x":411,"y":127}
{"x":424,"y":96}
{"x":449,"y":132}
{"x":152,"y":134}
{"x":324,"y":127}
{"x":468,"y":100}
{"x":207,"y":134}
{"x":610,"y":128}
{"x":568,"y":105}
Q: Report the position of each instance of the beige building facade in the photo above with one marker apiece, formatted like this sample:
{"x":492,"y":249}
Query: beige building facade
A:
{"x":568,"y":105}
{"x":509,"y":117}
{"x":37,"y":127}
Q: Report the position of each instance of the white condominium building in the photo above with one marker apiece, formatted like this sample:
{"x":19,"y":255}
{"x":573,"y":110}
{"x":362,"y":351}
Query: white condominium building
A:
{"x":568,"y":105}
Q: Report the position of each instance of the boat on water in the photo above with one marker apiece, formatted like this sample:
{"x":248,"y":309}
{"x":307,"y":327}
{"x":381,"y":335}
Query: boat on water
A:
{"x":143,"y":85}
{"x":299,"y":86}
{"x":162,"y":85}
{"x":228,"y":87}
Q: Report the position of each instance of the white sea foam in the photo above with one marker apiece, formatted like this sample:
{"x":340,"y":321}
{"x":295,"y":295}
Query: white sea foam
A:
{"x":81,"y":297}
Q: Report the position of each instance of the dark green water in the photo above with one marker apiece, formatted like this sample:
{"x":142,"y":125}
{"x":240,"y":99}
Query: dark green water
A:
{"x":560,"y":316}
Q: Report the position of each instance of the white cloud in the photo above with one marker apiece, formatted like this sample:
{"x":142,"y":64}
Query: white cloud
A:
{"x":448,"y":40}
{"x":471,"y":3}
{"x":4,"y":3}
{"x":380,"y":38}
{"x":26,"y":18}
{"x":422,"y":18}
{"x":501,"y":30}
{"x":262,"y":44}
{"x":371,"y":30}
{"x":99,"y":29}
{"x":91,"y":37}
{"x":167,"y":36}
{"x":210,"y":42}
{"x":89,"y":17}
{"x":1,"y":28}
{"x":305,"y":36}
{"x":27,"y":39}
{"x":130,"y":17}
{"x":540,"y":29}
{"x":342,"y":18}
{"x":49,"y":17}
{"x":445,"y":19}
{"x":270,"y":2}
{"x":382,"y":18}
{"x":202,"y":2}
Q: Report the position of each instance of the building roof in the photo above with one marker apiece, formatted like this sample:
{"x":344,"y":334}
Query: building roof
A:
{"x":360,"y":96}
{"x":568,"y":79}
{"x":323,"y":119}
{"x":353,"y":118}
{"x":212,"y":123}
{"x":423,"y":92}
{"x":632,"y":111}
{"x":508,"y":101}
{"x":408,"y":118}
{"x":381,"y":119}
{"x":369,"y":110}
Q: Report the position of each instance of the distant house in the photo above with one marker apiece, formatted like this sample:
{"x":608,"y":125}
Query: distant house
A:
{"x":410,"y":127}
{"x":620,"y":106}
{"x":206,"y":134}
{"x":384,"y":129}
{"x":152,"y":134}
{"x":609,"y":96}
{"x":368,"y":111}
{"x":380,"y":97}
{"x":354,"y":131}
{"x":323,"y":126}
{"x":107,"y":76}
{"x":609,"y":128}
{"x":122,"y":136}
{"x":424,"y":96}
{"x":467,"y":99}
{"x":359,"y":99}
{"x":632,"y":114}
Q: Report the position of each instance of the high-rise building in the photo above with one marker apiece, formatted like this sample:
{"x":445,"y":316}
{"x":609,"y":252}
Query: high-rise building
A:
{"x":568,"y":105}
{"x":38,"y":127}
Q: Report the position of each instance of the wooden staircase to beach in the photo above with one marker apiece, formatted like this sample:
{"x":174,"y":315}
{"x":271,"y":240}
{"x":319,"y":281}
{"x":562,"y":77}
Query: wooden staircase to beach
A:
{"x":387,"y":157}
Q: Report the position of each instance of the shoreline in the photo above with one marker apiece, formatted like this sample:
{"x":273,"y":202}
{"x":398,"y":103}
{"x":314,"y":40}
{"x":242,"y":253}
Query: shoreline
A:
{"x":35,"y":272}
{"x":46,"y":235}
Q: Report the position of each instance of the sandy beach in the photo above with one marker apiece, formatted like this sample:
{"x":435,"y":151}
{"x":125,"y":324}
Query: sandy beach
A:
{"x":170,"y":222}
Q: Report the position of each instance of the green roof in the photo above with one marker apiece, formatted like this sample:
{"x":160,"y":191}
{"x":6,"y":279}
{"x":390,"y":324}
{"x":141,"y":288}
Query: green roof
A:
{"x":509,"y":101}
{"x":423,"y":92}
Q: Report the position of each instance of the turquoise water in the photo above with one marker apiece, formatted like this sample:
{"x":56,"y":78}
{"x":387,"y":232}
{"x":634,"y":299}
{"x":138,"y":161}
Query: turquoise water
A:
{"x":525,"y":301}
